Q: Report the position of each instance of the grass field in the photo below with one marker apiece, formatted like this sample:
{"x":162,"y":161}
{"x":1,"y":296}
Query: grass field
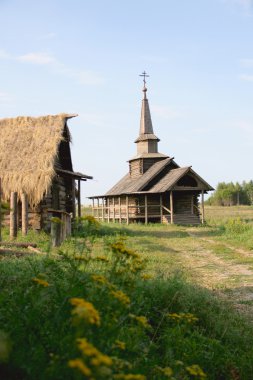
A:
{"x":132,"y":302}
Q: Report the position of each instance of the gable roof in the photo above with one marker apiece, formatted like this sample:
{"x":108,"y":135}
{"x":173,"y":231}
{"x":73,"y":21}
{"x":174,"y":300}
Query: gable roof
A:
{"x":129,"y":185}
{"x":28,"y":150}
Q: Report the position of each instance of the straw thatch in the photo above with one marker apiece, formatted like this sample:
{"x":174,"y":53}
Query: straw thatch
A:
{"x":28,"y":150}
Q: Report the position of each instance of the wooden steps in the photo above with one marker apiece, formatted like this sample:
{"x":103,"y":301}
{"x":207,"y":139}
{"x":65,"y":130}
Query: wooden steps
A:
{"x":184,"y":219}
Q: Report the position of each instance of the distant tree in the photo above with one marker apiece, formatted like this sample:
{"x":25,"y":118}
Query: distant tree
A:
{"x":230,"y":194}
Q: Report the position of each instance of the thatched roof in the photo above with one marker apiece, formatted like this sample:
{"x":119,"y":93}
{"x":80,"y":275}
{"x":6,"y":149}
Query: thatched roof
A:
{"x":28,"y":150}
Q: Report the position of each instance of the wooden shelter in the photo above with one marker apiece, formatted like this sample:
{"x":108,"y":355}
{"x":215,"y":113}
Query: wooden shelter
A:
{"x":36,"y":171}
{"x":156,"y":188}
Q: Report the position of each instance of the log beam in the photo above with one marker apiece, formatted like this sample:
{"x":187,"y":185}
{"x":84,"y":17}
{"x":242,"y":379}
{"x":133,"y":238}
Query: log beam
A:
{"x":14,"y":215}
{"x":24,"y":201}
{"x":171,"y":208}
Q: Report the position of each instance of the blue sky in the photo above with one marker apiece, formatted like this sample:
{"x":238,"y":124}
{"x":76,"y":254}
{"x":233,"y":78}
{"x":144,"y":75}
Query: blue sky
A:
{"x":85,"y":57}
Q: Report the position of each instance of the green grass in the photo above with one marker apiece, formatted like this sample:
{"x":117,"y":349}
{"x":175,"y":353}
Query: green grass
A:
{"x":172,"y":280}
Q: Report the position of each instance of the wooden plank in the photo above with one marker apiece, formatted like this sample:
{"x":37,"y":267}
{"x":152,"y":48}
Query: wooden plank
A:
{"x":73,"y":198}
{"x":171,"y":208}
{"x":161,"y":208}
{"x":146,"y":209}
{"x":103,"y":216}
{"x":127,"y":210}
{"x":18,"y":244}
{"x":203,"y":209}
{"x":24,"y":201}
{"x":120,"y":220}
{"x":113,"y":210}
{"x":108,"y":210}
{"x":14,"y":215}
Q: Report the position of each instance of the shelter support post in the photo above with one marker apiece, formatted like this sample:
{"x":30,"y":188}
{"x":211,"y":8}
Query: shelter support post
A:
{"x":79,"y":199}
{"x":171,"y":208}
{"x":202,"y":207}
{"x":103,"y":210}
{"x":161,"y":208}
{"x":98,"y":211}
{"x":14,"y":215}
{"x":108,"y":210}
{"x":93,"y":214}
{"x":74,"y":198}
{"x":146,"y":209}
{"x":120,"y":210}
{"x":24,"y":201}
{"x":113,"y":211}
{"x":127,"y":210}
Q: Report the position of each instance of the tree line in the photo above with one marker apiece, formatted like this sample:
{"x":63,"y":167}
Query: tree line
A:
{"x":231,"y":194}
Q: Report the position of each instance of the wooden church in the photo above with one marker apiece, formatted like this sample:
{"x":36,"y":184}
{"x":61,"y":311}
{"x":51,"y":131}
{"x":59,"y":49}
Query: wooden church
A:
{"x":156,"y":188}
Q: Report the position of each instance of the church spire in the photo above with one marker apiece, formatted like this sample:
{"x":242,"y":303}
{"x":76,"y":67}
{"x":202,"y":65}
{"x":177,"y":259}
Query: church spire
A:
{"x":147,"y":141}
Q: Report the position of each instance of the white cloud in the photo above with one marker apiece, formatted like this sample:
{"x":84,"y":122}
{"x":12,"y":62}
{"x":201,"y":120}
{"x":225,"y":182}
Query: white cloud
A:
{"x":83,"y":77}
{"x":246,"y":5}
{"x":246,"y":62}
{"x":4,"y":54}
{"x":246,"y":77}
{"x":37,"y":58}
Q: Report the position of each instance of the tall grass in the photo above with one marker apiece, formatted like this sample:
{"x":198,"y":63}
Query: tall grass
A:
{"x":90,"y":310}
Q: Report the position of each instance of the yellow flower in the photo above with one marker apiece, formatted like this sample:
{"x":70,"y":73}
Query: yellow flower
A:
{"x":120,"y":247}
{"x":79,"y":364}
{"x":102,"y":258}
{"x":166,"y":371}
{"x":80,"y":258}
{"x":119,"y":344}
{"x":147,"y":276}
{"x":141,"y":319}
{"x":122,"y":297}
{"x":97,"y":358}
{"x":184,"y":317}
{"x":85,"y":310}
{"x":196,"y":371}
{"x":41,"y":282}
{"x":99,"y":279}
{"x":129,"y":376}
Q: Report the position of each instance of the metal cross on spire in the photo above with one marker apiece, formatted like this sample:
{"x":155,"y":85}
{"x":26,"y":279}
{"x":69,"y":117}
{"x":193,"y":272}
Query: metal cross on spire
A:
{"x":144,"y":75}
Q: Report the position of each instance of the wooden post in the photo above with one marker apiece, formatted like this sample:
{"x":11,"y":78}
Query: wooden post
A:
{"x":14,"y":215}
{"x":108,"y":210}
{"x":63,"y":227}
{"x":127,"y":211}
{"x":79,"y":199}
{"x":171,"y":208}
{"x":68,"y":225}
{"x":120,"y":210}
{"x":24,"y":201}
{"x":0,"y":210}
{"x":93,"y":211}
{"x":56,"y":233}
{"x":103,"y":209}
{"x":161,"y":208}
{"x":74,"y":198}
{"x":202,"y":206}
{"x":98,"y":211}
{"x":146,"y":209}
{"x":113,"y":211}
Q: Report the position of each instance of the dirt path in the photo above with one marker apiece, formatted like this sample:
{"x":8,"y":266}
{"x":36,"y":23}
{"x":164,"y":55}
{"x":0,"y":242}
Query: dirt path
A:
{"x":226,"y":269}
